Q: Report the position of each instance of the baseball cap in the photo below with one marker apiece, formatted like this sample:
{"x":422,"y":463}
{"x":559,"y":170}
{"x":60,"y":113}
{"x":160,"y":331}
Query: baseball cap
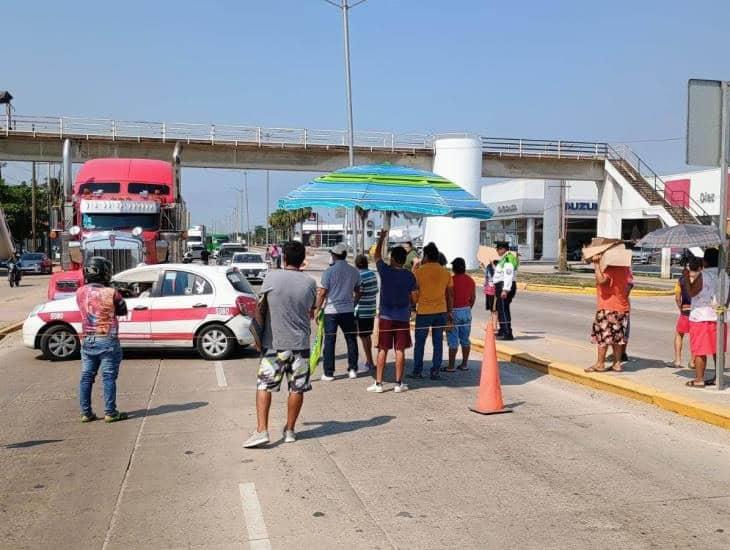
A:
{"x":339,"y":249}
{"x":501,"y":244}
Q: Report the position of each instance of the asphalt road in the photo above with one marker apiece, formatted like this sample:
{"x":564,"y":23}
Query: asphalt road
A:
{"x":563,"y":323}
{"x":569,"y":468}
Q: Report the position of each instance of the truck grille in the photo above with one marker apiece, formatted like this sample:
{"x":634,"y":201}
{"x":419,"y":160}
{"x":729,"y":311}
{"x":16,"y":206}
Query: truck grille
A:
{"x":121,"y":259}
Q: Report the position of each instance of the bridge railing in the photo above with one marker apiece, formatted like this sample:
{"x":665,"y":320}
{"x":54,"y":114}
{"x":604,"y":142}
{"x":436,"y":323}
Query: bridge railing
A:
{"x":539,"y":148}
{"x":624,"y":153}
{"x":101,"y":128}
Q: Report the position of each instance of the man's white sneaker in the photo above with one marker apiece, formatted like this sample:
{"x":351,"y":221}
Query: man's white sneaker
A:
{"x":352,"y":374}
{"x":256,"y":439}
{"x":400,"y":388}
{"x":325,"y":378}
{"x":375,"y":388}
{"x":289,"y":436}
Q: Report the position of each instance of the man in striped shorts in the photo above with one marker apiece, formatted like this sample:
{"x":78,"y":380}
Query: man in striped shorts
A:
{"x":365,"y":310}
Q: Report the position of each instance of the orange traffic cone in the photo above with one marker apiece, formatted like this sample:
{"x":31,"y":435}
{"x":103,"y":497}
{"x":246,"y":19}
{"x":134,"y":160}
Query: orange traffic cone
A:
{"x":489,"y":397}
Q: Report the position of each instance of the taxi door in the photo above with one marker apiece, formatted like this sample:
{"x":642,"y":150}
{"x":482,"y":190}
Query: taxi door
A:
{"x":182,"y":304}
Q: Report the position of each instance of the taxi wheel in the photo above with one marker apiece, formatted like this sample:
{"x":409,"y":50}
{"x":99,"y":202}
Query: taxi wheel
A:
{"x":215,"y":342}
{"x":60,"y":343}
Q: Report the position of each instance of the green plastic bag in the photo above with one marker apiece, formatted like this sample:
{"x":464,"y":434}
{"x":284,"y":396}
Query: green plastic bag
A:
{"x":316,"y":353}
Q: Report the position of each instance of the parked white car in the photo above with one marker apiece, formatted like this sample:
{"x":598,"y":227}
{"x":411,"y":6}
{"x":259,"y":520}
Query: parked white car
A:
{"x":169,"y":305}
{"x":251,"y":264}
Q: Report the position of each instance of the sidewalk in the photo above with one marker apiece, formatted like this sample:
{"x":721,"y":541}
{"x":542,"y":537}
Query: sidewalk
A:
{"x":16,"y":303}
{"x":645,"y":379}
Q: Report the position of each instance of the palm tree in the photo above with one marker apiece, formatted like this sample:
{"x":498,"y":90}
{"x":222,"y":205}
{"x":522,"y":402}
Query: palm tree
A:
{"x":284,"y":221}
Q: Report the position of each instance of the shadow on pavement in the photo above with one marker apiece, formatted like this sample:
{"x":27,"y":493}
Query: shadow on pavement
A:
{"x":334,"y":427}
{"x":184,"y":353}
{"x":31,"y":443}
{"x":165,"y":409}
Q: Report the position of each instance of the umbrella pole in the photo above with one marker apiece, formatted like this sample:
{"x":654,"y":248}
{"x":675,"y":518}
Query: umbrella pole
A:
{"x":386,"y":229}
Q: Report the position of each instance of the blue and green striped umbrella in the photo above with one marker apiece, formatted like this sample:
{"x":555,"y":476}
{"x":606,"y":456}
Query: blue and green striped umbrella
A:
{"x":389,"y":188}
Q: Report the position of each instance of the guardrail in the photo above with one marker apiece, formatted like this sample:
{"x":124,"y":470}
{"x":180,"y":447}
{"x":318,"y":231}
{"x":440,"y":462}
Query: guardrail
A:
{"x":539,"y":148}
{"x":674,"y":198}
{"x":101,"y":128}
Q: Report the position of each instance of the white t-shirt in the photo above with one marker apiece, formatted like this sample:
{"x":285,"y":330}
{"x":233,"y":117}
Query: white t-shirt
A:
{"x":703,"y":305}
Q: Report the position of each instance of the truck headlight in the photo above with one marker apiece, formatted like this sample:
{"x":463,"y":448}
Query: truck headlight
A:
{"x":137,"y":231}
{"x":74,"y":231}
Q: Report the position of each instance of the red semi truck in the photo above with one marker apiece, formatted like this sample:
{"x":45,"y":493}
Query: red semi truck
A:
{"x":129,"y":211}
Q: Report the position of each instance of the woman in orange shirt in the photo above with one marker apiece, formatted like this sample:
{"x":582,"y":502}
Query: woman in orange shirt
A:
{"x":612,"y":315}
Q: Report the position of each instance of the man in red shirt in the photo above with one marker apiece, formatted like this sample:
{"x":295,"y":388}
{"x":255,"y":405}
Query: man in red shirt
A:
{"x":610,"y":326}
{"x":464,"y":298}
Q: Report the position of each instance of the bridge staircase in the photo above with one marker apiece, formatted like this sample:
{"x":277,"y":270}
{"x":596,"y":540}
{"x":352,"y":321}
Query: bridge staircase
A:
{"x":679,"y":205}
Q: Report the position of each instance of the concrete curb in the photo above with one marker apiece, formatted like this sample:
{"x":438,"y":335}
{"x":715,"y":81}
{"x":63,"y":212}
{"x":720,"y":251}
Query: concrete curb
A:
{"x":584,"y":290}
{"x":712,"y":414}
{"x":12,"y":327}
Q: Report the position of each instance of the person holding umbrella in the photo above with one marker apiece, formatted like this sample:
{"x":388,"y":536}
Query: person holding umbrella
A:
{"x":702,"y":316}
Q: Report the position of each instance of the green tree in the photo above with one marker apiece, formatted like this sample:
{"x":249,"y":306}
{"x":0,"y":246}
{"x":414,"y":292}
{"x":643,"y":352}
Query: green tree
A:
{"x":284,"y":221}
{"x":16,"y":201}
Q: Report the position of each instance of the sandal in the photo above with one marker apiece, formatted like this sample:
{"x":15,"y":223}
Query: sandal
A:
{"x":616,"y":368}
{"x":695,"y":384}
{"x":447,"y":369}
{"x":463,"y":367}
{"x":594,"y":368}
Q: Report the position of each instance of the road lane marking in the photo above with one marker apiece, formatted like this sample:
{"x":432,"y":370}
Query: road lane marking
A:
{"x":220,"y":375}
{"x":130,"y":462}
{"x":258,"y":536}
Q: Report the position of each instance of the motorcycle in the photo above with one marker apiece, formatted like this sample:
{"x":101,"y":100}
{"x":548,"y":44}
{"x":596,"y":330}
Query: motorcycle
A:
{"x":14,"y":274}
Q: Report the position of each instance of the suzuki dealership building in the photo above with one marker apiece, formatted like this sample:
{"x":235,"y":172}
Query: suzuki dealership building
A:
{"x":527,"y":211}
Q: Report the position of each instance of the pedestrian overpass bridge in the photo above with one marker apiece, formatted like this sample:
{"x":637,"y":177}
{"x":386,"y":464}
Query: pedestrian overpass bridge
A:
{"x":616,"y":169}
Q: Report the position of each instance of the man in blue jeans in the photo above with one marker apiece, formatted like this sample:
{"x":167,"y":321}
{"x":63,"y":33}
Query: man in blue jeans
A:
{"x":338,"y":292}
{"x":434,"y":300}
{"x":100,"y":305}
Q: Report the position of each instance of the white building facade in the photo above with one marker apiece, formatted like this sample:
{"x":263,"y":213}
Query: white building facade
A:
{"x":527,"y":211}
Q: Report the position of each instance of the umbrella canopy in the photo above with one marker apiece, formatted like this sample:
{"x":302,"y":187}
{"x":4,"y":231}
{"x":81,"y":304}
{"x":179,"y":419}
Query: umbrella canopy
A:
{"x":387,"y":187}
{"x":681,"y":236}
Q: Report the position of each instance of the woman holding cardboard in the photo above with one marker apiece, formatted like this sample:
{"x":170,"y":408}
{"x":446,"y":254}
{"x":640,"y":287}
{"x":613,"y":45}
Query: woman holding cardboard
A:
{"x":612,"y":309}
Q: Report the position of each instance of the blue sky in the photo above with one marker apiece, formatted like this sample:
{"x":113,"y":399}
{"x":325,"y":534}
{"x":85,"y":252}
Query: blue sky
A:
{"x":614,"y":71}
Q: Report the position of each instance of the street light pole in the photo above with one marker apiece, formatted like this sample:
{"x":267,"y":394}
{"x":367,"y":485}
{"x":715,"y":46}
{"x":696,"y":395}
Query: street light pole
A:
{"x":248,"y":218}
{"x":267,"y":208}
{"x":345,"y":7}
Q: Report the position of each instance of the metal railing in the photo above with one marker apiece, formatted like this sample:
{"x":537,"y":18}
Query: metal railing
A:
{"x":678,"y":198}
{"x":583,"y":150}
{"x":230,"y":134}
{"x":544,"y":148}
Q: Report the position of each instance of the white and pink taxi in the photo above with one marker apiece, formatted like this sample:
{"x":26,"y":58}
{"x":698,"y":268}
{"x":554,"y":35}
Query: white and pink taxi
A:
{"x":170,"y":305}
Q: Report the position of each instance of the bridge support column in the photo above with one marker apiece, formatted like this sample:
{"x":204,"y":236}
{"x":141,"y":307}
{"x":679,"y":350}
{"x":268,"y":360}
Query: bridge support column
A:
{"x":609,"y":208}
{"x":551,"y":221}
{"x":460,"y":160}
{"x":530,"y":240}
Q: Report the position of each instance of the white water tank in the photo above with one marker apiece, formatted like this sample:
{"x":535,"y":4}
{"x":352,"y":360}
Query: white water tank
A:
{"x":458,"y":159}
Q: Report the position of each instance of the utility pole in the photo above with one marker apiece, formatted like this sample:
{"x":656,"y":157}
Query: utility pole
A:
{"x":50,"y":209}
{"x":33,"y":220}
{"x":267,"y":208}
{"x":722,"y":229}
{"x":562,"y":228}
{"x":563,"y":242}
